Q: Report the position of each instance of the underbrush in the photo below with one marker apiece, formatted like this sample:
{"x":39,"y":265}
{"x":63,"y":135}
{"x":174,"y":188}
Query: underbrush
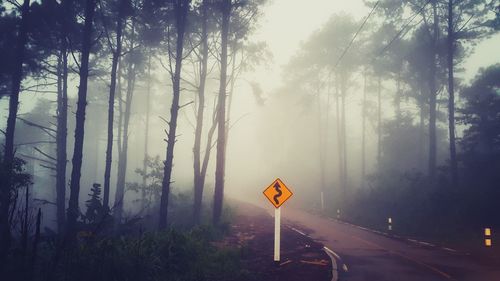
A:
{"x":170,"y":255}
{"x":131,"y":250}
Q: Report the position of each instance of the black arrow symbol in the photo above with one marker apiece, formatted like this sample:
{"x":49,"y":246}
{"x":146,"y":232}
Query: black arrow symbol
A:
{"x":277,"y":187}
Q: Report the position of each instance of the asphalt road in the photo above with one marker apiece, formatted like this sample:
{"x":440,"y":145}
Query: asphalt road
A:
{"x":371,"y":256}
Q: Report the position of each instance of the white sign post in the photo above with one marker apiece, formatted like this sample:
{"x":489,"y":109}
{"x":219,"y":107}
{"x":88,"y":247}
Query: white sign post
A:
{"x":277,"y":232}
{"x":277,"y":193}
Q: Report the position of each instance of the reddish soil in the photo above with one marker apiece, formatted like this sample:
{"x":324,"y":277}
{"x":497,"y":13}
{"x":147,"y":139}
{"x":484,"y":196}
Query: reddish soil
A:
{"x":301,"y":257}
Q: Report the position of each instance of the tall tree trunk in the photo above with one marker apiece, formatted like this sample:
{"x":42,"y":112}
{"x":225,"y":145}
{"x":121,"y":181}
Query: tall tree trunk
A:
{"x":73,"y":209}
{"x":326,"y":128}
{"x":363,"y":132}
{"x":25,"y":223}
{"x":343,"y":90}
{"x":338,"y":116}
{"x":111,"y":107}
{"x":397,"y":97}
{"x":8,"y":157}
{"x":432,"y":98}
{"x":379,"y":122}
{"x":208,"y":149}
{"x":123,"y":154}
{"x":119,"y":96}
{"x":181,"y":9}
{"x":422,"y":133}
{"x":221,"y":117}
{"x":36,"y":240}
{"x":322,"y":148}
{"x":198,"y":180}
{"x":61,"y":136}
{"x":146,"y":134}
{"x":229,"y":94}
{"x":451,"y":99}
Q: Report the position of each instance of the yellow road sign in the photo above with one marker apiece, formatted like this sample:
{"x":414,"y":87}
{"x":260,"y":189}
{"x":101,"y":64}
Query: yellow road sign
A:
{"x":277,"y":193}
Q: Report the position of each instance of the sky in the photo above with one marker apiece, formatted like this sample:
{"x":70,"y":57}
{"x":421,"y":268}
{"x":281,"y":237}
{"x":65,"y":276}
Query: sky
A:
{"x":287,"y":23}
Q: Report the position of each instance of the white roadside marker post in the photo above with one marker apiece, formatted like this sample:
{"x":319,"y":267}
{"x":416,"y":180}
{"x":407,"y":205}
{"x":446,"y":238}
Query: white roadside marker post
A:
{"x":277,"y":233}
{"x":389,"y":227}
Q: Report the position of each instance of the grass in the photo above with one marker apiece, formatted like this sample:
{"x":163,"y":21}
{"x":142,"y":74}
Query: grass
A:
{"x":170,"y":255}
{"x":182,"y":252}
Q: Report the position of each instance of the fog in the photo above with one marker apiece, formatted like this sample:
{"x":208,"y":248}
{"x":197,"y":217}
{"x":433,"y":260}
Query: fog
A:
{"x":276,"y":129}
{"x":137,"y":138}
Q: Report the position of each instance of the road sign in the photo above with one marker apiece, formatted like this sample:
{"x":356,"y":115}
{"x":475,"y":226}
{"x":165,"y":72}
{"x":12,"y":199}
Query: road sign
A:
{"x":277,"y":193}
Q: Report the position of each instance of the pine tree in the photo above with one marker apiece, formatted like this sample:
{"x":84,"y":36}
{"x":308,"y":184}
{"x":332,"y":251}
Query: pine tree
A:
{"x":94,"y":205}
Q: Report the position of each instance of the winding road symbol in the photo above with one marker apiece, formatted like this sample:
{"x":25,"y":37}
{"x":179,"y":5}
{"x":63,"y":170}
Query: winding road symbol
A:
{"x":277,"y":187}
{"x":277,"y":193}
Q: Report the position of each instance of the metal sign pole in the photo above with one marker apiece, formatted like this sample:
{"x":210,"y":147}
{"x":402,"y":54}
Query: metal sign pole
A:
{"x":277,"y":229}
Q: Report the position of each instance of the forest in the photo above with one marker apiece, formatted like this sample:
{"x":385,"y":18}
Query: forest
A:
{"x":131,"y":128}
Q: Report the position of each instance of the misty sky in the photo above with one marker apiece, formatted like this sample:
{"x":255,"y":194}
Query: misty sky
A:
{"x":286,"y":23}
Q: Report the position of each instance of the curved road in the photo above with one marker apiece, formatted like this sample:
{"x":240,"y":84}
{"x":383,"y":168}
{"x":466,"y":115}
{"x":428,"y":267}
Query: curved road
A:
{"x":371,"y":256}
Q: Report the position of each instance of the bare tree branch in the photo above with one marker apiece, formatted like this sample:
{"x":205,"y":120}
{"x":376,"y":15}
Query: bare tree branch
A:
{"x":35,"y":142}
{"x":186,"y":104}
{"x":36,"y":158}
{"x":47,"y":130}
{"x":48,"y":167}
{"x":44,"y":154}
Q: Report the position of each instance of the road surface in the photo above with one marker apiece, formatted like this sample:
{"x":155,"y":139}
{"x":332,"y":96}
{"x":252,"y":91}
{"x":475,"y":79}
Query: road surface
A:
{"x":371,"y":256}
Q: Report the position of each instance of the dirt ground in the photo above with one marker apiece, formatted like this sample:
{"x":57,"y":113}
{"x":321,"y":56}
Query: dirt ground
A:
{"x":301,"y":257}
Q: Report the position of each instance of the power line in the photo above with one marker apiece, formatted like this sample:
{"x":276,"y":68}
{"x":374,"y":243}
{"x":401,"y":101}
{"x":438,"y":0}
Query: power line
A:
{"x":402,"y":29}
{"x":356,"y":34}
{"x":400,"y":33}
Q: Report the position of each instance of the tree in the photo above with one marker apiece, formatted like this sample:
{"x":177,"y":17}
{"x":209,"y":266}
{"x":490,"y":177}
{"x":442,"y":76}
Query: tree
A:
{"x":73,"y":209}
{"x":8,"y":155}
{"x":481,"y":140}
{"x":465,"y":22}
{"x":415,"y":77}
{"x":242,"y":55}
{"x":146,"y":132}
{"x":343,"y":61}
{"x":62,"y":133}
{"x":95,"y":210}
{"x":226,"y":7}
{"x":150,"y":188}
{"x":134,"y":60}
{"x":451,"y":98}
{"x":388,"y":61}
{"x":363,"y":127}
{"x":479,"y":153}
{"x":117,"y":53}
{"x":432,"y":31}
{"x":67,"y":20}
{"x":181,"y":9}
{"x":199,"y":170}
